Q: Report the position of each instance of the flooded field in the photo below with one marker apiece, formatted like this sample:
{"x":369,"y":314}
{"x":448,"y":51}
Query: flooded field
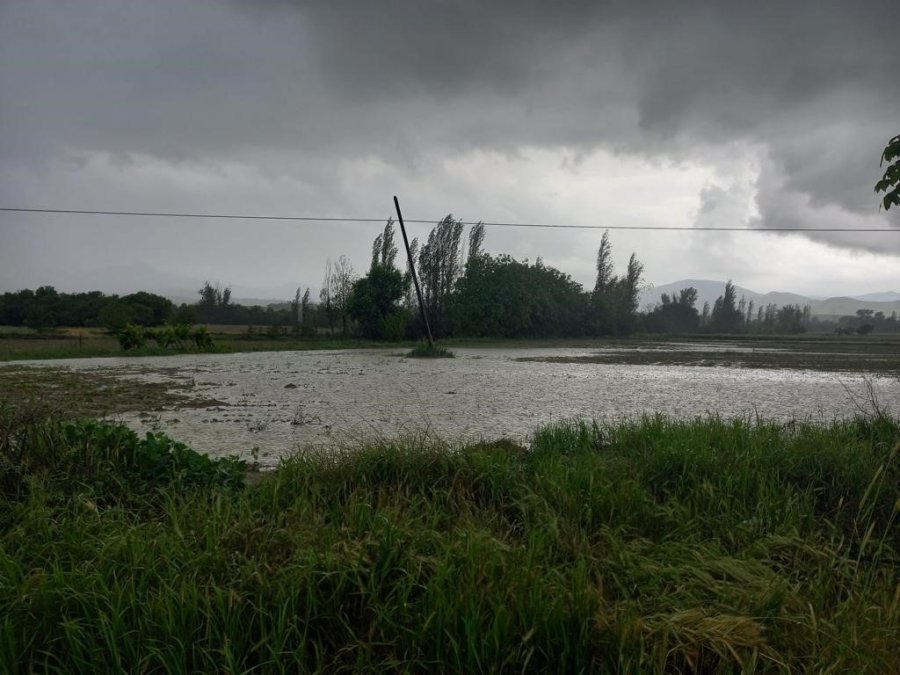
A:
{"x":278,"y":401}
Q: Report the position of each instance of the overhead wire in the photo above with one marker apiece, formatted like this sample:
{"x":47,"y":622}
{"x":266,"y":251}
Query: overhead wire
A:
{"x":334,"y":219}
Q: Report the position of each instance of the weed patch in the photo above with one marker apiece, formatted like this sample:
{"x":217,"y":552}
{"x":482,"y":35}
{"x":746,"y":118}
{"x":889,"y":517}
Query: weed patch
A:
{"x":423,"y":350}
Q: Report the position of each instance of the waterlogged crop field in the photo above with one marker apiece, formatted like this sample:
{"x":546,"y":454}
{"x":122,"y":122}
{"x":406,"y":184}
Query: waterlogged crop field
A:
{"x":224,"y":404}
{"x":660,"y":545}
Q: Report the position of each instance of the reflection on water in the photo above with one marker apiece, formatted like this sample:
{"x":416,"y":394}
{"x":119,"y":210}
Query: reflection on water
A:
{"x":278,"y":401}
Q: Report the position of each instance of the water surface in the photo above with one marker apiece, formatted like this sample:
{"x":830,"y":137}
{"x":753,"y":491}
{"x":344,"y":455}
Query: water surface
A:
{"x":278,"y":401}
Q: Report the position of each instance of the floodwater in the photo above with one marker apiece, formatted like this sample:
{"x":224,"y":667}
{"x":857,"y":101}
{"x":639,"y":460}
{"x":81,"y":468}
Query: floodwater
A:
{"x":279,"y":401}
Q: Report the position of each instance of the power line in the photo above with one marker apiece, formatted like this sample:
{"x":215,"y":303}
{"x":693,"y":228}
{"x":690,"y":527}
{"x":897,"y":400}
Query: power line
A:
{"x":326,"y":219}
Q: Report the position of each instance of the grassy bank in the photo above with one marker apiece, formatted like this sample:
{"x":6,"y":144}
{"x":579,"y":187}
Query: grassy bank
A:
{"x":648,"y":547}
{"x":33,"y":347}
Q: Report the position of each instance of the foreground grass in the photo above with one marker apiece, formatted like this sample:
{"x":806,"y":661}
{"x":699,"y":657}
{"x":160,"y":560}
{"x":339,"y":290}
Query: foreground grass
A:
{"x":648,"y":547}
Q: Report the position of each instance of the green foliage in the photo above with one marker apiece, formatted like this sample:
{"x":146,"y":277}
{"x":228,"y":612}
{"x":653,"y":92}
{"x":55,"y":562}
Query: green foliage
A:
{"x":384,"y":252}
{"x":501,"y":297}
{"x":423,"y":350}
{"x":614,"y":302}
{"x":164,"y":337}
{"x":178,"y":337}
{"x":149,"y":309}
{"x":202,"y":339}
{"x":104,"y":463}
{"x":40,"y":313}
{"x":114,"y":315}
{"x":653,"y":546}
{"x":395,"y":325}
{"x":440,"y":265}
{"x":45,"y":308}
{"x":890,"y":181}
{"x":374,"y":303}
{"x":726,"y":317}
{"x":185,"y":315}
{"x":677,"y":314}
{"x":182,"y":334}
{"x":132,"y":337}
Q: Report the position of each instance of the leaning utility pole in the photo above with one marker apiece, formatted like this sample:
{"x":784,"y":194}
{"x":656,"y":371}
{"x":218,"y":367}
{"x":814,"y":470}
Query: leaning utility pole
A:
{"x":412,"y":271}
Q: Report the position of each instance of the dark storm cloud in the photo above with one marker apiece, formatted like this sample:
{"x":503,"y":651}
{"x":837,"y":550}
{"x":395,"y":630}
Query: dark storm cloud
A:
{"x":811,"y":87}
{"x":814,"y":85}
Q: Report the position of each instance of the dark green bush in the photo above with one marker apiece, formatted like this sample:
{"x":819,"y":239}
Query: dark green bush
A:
{"x":107,"y":463}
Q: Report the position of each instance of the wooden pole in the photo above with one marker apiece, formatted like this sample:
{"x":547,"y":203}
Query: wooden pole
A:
{"x":412,"y":271}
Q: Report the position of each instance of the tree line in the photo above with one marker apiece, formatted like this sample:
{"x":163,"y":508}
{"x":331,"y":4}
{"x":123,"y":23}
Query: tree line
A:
{"x":466,"y":292}
{"x":469,"y":292}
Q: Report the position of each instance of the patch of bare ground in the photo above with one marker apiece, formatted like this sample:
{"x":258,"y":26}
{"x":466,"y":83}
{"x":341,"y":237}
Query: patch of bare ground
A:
{"x":875,"y":359}
{"x":99,"y":393}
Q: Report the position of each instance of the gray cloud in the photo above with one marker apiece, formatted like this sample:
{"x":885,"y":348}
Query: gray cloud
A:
{"x":296,"y":90}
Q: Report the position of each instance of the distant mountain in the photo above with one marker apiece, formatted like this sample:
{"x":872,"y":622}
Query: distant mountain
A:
{"x":834,"y":307}
{"x":708,"y":290}
{"x":884,"y":296}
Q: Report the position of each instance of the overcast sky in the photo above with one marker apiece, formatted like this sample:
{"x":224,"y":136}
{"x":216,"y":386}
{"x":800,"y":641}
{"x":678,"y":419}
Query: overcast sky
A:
{"x":738,"y":114}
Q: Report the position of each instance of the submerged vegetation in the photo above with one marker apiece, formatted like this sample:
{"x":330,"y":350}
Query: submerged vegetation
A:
{"x":651,"y":546}
{"x":425,"y":350}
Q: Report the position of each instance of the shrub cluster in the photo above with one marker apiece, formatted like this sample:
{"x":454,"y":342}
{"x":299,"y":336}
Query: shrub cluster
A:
{"x":179,"y":337}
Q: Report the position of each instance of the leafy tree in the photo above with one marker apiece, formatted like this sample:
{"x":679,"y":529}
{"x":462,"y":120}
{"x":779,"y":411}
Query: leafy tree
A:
{"x":440,"y":265}
{"x":215,"y":305}
{"x":384,"y":252}
{"x":605,"y":277}
{"x":676,"y":314}
{"x":627,"y":294}
{"x":789,"y":319}
{"x":326,"y":296}
{"x":726,"y":317}
{"x":12,"y":307}
{"x":890,"y":182}
{"x":602,"y":297}
{"x":615,"y":300}
{"x":41,"y":309}
{"x":306,"y":327}
{"x":502,"y":297}
{"x":185,"y":314}
{"x":410,"y":299}
{"x":115,"y":315}
{"x":343,"y":278}
{"x":374,"y":302}
{"x":295,"y":310}
{"x":149,"y":309}
{"x":210,"y":295}
{"x":476,"y":241}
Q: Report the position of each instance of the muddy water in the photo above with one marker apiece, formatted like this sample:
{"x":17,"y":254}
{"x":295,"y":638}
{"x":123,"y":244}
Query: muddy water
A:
{"x":278,"y":401}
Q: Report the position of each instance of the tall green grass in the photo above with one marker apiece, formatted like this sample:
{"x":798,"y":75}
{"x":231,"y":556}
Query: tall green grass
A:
{"x":652,"y":546}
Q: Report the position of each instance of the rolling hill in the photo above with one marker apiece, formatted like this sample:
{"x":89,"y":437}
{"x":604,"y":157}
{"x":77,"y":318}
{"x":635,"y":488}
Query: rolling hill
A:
{"x":708,"y":290}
